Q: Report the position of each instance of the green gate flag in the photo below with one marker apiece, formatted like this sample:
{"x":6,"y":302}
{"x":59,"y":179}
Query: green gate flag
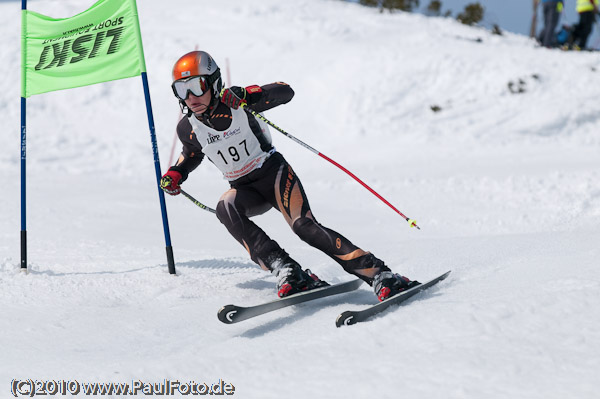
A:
{"x":102,"y":43}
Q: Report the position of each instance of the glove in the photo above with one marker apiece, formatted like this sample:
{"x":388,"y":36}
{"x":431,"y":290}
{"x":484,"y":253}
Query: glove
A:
{"x":170,"y":182}
{"x":235,"y":96}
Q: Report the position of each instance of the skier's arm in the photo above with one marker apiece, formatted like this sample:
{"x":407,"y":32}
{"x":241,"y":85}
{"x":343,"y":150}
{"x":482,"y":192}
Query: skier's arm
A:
{"x":191,"y":155}
{"x":259,"y":98}
{"x":272,"y":95}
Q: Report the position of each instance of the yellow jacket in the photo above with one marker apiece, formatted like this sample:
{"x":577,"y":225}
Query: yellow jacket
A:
{"x":586,"y":5}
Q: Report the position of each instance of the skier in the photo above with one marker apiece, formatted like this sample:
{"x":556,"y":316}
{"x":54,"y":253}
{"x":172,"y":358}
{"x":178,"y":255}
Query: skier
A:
{"x":260,"y":178}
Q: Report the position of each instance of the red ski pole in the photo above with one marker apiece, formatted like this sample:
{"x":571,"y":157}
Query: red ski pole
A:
{"x":411,"y":222}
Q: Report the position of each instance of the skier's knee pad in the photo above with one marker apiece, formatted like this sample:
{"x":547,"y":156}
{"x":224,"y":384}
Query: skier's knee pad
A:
{"x":305,"y":228}
{"x":225,"y":207}
{"x":226,"y":214}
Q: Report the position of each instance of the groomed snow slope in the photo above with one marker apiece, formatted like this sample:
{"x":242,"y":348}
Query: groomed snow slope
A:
{"x":505,"y":187}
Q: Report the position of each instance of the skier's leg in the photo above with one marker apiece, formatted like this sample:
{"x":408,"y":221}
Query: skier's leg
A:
{"x":234,"y":209}
{"x":291,"y":201}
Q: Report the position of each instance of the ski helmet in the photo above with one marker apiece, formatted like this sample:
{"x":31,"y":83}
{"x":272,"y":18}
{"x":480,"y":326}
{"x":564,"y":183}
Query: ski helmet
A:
{"x":199,"y":63}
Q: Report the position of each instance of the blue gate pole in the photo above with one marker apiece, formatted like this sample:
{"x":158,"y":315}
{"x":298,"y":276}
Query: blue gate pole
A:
{"x":23,"y":187}
{"x":161,"y":194}
{"x":23,"y":150}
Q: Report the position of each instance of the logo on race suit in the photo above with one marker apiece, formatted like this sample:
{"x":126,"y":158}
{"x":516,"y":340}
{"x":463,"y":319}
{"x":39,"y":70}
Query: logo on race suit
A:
{"x":231,"y":133}
{"x":288,"y":186}
{"x":211,"y":139}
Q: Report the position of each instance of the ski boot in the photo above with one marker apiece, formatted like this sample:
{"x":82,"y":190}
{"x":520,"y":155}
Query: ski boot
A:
{"x":291,"y":279}
{"x":387,"y":284}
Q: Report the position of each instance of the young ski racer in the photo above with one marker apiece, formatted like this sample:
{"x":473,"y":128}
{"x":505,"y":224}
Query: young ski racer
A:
{"x":240,"y":146}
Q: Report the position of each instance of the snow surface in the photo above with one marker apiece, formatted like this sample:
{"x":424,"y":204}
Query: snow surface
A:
{"x":506,"y":188}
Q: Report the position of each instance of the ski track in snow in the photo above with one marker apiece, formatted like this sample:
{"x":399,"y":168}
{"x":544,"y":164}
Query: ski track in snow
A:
{"x":504,"y":185}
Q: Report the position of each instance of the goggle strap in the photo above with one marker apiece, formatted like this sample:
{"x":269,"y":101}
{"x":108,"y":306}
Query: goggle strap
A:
{"x":212,"y":78}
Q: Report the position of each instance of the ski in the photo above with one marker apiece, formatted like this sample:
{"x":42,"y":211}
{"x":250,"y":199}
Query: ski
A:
{"x":352,"y":317}
{"x":230,"y":314}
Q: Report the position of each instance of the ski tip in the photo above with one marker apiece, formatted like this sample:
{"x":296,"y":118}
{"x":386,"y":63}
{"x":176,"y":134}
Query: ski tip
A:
{"x":345,"y":319}
{"x":227,"y":314}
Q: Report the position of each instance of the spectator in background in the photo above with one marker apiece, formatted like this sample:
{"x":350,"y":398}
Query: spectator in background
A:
{"x":552,"y":11}
{"x":587,"y":10}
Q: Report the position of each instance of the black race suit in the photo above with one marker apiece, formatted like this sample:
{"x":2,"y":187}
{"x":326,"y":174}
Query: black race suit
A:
{"x":273,"y":185}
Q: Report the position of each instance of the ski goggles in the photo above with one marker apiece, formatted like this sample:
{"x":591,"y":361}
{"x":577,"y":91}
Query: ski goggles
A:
{"x":197,"y":85}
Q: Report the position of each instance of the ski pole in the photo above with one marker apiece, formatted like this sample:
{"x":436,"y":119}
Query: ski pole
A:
{"x":198,"y":203}
{"x":411,"y":222}
{"x":195,"y":201}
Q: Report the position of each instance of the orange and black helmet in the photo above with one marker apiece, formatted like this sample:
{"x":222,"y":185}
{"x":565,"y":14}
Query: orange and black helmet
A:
{"x":198,"y":63}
